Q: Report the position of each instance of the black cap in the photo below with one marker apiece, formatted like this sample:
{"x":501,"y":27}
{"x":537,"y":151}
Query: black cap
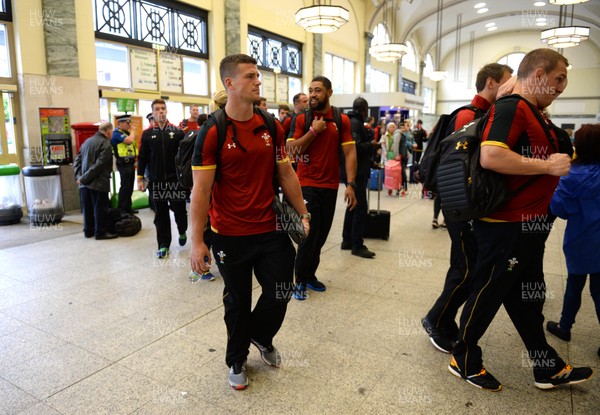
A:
{"x":122,"y":118}
{"x":150,"y":117}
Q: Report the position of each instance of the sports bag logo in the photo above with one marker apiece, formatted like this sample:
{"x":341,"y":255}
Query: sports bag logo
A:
{"x":464,"y":145}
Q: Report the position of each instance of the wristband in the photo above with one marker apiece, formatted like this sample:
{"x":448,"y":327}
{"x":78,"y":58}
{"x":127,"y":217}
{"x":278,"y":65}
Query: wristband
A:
{"x":312,"y":130}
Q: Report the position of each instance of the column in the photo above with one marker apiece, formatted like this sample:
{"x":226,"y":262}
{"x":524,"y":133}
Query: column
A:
{"x":367,"y":77}
{"x":232,"y":27}
{"x":399,"y":79}
{"x":317,"y":54}
{"x":60,"y":37}
{"x":421,"y":70}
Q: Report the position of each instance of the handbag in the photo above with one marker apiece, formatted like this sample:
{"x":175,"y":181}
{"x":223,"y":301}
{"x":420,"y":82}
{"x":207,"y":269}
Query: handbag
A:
{"x":288,"y":220}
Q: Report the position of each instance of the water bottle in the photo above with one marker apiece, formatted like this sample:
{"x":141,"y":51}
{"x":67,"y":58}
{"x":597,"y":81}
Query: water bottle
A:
{"x":194,"y":277}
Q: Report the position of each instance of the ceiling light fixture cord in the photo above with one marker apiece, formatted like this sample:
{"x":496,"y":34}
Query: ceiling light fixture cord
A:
{"x":438,"y":52}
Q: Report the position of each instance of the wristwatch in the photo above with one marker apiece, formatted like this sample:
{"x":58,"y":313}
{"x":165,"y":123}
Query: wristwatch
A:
{"x":352,"y":184}
{"x":305,"y":216}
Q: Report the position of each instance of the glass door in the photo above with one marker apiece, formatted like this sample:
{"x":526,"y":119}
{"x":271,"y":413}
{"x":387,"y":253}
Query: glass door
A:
{"x":8,"y":139}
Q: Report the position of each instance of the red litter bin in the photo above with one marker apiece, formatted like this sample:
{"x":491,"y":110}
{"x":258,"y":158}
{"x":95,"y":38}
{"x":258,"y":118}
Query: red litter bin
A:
{"x":83,"y":131}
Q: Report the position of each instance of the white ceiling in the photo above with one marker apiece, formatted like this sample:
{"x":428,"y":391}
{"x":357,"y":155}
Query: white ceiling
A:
{"x":417,"y":19}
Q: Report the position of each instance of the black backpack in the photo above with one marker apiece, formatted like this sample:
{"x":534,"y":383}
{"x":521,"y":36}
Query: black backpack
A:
{"x":183,"y":160}
{"x":428,"y":166}
{"x":467,"y":190}
{"x":128,"y":225}
{"x":123,"y":224}
{"x":185,"y":153}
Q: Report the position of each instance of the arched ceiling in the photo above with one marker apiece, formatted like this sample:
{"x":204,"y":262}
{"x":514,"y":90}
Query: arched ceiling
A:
{"x":417,"y":19}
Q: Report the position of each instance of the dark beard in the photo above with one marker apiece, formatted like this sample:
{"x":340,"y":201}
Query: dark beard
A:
{"x":320,"y":106}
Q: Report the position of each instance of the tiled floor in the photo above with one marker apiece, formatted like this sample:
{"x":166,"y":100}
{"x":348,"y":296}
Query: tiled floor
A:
{"x":101,"y":327}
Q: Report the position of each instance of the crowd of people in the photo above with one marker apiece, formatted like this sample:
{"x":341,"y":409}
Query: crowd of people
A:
{"x":314,"y":148}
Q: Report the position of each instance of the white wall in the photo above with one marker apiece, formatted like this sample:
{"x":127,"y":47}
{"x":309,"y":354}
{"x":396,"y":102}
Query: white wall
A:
{"x":580,"y":101}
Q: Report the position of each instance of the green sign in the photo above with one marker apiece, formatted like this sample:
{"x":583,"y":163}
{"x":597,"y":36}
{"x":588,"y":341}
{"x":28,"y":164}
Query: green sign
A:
{"x":125,"y":104}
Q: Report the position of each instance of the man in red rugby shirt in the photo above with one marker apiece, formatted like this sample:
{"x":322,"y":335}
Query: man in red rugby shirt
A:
{"x":319,"y":174}
{"x":244,"y":238}
{"x":517,"y":143}
{"x":300,"y":101}
{"x":192,"y":122}
{"x":440,"y":319}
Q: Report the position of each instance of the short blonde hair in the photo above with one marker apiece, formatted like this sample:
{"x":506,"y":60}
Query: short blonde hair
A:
{"x":219,"y":100}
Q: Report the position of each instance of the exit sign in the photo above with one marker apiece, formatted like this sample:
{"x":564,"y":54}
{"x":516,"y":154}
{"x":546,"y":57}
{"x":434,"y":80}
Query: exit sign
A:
{"x":125,"y":104}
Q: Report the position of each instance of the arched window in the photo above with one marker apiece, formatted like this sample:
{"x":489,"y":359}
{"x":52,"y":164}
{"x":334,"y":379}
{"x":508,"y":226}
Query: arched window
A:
{"x":428,"y":65}
{"x":409,"y":61}
{"x":380,"y":35}
{"x":512,"y":59}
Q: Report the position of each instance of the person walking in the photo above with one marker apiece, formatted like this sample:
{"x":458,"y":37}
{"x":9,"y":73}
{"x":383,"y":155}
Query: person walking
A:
{"x":160,"y":143}
{"x":319,"y":174}
{"x":235,"y":184}
{"x":516,"y":143}
{"x":440,"y":321}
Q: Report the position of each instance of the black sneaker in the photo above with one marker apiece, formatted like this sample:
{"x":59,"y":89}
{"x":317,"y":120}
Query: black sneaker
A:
{"x":481,"y":380}
{"x":346,"y":246}
{"x":438,"y":337}
{"x":182,"y":239}
{"x":554,"y":328}
{"x":363,"y":252}
{"x":568,"y":375}
{"x":300,"y":293}
{"x":316,"y":285}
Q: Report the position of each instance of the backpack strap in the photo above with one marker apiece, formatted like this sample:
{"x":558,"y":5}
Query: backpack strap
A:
{"x":337,"y":118}
{"x":292,"y":126}
{"x":219,"y":120}
{"x":538,"y":115}
{"x":308,"y":119}
{"x":272,"y":127}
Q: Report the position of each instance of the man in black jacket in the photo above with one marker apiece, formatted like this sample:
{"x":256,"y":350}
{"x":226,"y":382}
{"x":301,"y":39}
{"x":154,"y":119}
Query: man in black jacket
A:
{"x":92,"y":168}
{"x":354,"y":221}
{"x":160,"y":143}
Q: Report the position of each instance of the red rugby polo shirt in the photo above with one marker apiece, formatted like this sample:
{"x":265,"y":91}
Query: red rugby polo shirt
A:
{"x":242,"y":197}
{"x":320,"y":165}
{"x":514,"y":126}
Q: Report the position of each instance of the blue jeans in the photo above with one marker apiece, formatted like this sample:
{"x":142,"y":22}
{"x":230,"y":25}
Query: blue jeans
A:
{"x":572,"y":300}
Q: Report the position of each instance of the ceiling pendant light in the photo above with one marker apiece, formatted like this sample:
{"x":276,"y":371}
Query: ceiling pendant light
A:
{"x":566,"y":2}
{"x":565,"y":36}
{"x":322,"y":17}
{"x":389,"y":52}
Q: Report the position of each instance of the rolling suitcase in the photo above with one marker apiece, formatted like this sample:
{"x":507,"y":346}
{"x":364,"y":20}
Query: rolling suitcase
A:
{"x":377,"y":225}
{"x":393,"y":175}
